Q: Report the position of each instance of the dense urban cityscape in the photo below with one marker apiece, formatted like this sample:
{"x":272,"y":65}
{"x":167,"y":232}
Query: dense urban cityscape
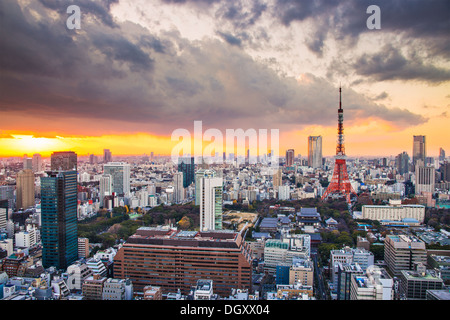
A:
{"x":105,"y":227}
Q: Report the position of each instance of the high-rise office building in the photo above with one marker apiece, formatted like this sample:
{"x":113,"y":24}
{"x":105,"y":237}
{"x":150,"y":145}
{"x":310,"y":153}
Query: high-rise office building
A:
{"x":210,"y":191}
{"x":441,"y":154}
{"x":59,"y":219}
{"x":7,"y":193}
{"x":402,"y":251}
{"x":277,"y":179}
{"x":425,"y":178}
{"x":3,"y":213}
{"x":201,"y":173}
{"x":315,"y":151}
{"x":290,"y":157}
{"x":174,"y":259}
{"x":107,"y":156}
{"x":402,"y":163}
{"x":27,"y":163}
{"x":187,"y":166}
{"x":105,"y":187}
{"x":93,"y":159}
{"x":419,"y":149}
{"x":120,"y":174}
{"x":445,"y":171}
{"x":37,"y":162}
{"x":63,"y":160}
{"x":25,"y":189}
{"x":178,"y":187}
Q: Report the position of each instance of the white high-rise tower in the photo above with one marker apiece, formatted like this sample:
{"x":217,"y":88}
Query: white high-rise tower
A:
{"x":210,"y":191}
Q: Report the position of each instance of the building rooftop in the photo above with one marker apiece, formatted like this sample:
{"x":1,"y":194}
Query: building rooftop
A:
{"x":393,"y":207}
{"x":440,"y":294}
{"x":204,"y":285}
{"x":434,"y":237}
{"x":441,"y":259}
{"x":429,"y":275}
{"x":276,"y":244}
{"x":331,"y":221}
{"x":285,"y":220}
{"x":151,"y":289}
{"x":362,"y":281}
{"x":301,"y":263}
{"x":308,"y":212}
{"x":261,"y":234}
{"x":113,"y":280}
{"x":403,"y":238}
{"x":268,"y":223}
{"x":173,"y":237}
{"x":350,"y":267}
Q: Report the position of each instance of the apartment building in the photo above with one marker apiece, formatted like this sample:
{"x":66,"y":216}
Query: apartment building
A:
{"x":93,"y":287}
{"x":76,"y":274}
{"x":152,"y":293}
{"x":117,"y":289}
{"x":302,"y":271}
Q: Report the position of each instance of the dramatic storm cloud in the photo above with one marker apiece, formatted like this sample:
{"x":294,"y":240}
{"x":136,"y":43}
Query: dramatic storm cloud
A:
{"x":144,"y":80}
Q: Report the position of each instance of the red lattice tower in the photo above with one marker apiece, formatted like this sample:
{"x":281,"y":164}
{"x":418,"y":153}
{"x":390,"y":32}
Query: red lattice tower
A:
{"x":340,"y":183}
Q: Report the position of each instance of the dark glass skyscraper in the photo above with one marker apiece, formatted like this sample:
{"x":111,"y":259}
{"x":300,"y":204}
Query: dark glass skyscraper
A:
{"x":445,"y":171}
{"x":59,"y":219}
{"x":402,"y":163}
{"x":107,"y":156}
{"x":419,"y":149}
{"x":63,"y":160}
{"x":187,"y":166}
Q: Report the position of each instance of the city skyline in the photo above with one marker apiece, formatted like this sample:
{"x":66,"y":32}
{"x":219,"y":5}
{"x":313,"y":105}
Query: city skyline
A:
{"x":137,"y":71}
{"x":303,"y":152}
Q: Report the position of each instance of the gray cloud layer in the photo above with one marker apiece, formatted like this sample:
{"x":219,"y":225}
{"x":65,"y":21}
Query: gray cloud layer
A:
{"x":390,"y":64}
{"x":427,"y":21}
{"x":123,"y":72}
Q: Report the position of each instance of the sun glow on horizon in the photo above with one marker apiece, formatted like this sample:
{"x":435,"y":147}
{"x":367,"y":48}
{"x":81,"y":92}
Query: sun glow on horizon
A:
{"x":20,"y":144}
{"x":371,"y":137}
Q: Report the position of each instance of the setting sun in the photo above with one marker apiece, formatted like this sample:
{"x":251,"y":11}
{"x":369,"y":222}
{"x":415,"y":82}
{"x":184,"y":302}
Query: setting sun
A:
{"x":23,"y":144}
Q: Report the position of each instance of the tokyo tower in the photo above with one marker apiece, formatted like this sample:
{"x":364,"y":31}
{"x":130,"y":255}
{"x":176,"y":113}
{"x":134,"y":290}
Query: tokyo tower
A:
{"x":340,"y":183}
